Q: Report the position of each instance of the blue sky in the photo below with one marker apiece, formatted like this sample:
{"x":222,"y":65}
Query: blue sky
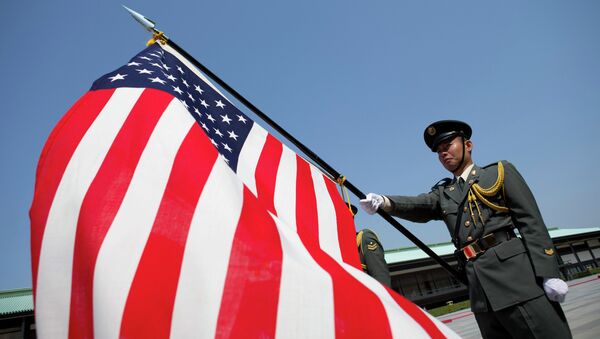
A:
{"x":357,"y":82}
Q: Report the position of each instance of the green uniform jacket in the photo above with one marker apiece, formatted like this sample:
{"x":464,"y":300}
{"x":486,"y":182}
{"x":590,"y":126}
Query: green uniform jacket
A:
{"x":509,"y":273}
{"x":372,"y":257}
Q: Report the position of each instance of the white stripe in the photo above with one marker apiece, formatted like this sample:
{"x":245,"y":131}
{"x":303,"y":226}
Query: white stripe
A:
{"x":125,"y":240}
{"x":305,"y":308}
{"x":53,"y":295}
{"x":249,"y":155}
{"x":328,"y":232}
{"x":285,"y":188}
{"x":206,"y":256}
{"x":401,"y":324}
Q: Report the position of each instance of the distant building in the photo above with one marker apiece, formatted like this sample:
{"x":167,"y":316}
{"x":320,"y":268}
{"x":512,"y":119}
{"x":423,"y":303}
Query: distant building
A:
{"x":424,"y":282}
{"x":16,"y":314}
{"x":414,"y":275}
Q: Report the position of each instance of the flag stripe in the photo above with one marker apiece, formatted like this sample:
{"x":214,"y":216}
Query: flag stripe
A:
{"x":305,"y":307}
{"x":123,"y":245}
{"x":207,"y":253}
{"x":56,"y":255}
{"x":149,"y":307}
{"x":285,"y":188}
{"x":346,"y":235}
{"x":55,"y":156}
{"x":266,"y":172}
{"x":102,"y":201}
{"x":253,"y":276}
{"x":352,"y":301}
{"x":326,"y":214}
{"x":249,"y":156}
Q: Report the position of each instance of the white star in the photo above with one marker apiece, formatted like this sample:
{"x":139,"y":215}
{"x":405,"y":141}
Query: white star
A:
{"x":171,"y":77}
{"x":232,"y":135}
{"x":226,"y":160}
{"x":227,"y":147}
{"x":157,"y":65}
{"x":154,"y":55}
{"x":220,"y":104}
{"x":165,"y":66}
{"x":198,"y":89}
{"x":133,"y":63}
{"x":184,"y":104}
{"x":191,"y":97}
{"x":146,"y":58}
{"x":241,"y":118}
{"x":197,"y":111}
{"x":210,"y":117}
{"x":226,"y":119}
{"x":214,"y":143}
{"x":203,"y":103}
{"x":185,"y":83}
{"x":144,"y":71}
{"x":217,"y":132}
{"x":205,"y":127}
{"x":177,"y":89}
{"x":157,"y":79}
{"x":179,"y":69}
{"x":117,"y":76}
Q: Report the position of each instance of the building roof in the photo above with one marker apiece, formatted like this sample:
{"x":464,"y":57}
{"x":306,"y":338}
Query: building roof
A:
{"x":16,"y":301}
{"x":413,"y":253}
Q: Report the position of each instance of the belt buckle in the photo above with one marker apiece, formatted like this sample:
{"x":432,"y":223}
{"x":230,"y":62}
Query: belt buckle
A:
{"x":471,"y":251}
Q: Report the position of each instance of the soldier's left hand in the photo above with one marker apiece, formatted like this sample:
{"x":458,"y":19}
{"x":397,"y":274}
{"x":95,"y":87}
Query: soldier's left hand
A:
{"x":556,"y":289}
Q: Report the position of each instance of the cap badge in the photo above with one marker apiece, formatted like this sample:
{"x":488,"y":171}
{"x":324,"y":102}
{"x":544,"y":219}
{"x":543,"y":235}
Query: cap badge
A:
{"x":549,"y":251}
{"x":431,"y":130}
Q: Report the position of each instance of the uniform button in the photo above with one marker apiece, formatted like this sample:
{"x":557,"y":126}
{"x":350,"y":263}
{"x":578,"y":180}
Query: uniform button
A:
{"x":471,"y":182}
{"x":451,"y":188}
{"x":465,"y":209}
{"x":467,"y":223}
{"x":473,"y":172}
{"x":469,"y":238}
{"x":444,"y":212}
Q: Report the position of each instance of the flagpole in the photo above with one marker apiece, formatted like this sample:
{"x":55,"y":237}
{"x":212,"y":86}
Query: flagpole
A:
{"x":150,"y":26}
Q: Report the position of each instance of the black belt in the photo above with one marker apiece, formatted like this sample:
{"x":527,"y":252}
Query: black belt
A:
{"x":479,"y":246}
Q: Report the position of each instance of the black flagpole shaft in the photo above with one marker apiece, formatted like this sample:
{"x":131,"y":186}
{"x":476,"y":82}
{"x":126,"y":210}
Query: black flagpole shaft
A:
{"x":330,"y":170}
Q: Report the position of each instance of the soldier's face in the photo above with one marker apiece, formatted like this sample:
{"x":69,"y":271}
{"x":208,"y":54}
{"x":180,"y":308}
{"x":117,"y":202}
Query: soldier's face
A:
{"x":450,"y":153}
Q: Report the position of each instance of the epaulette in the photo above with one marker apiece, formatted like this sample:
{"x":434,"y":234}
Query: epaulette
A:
{"x":495,"y":163}
{"x":442,"y":182}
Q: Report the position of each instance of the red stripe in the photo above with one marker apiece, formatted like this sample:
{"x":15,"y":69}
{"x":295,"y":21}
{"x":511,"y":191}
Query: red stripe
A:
{"x":57,"y":152}
{"x":418,"y":315}
{"x":102,"y":201}
{"x":149,"y":308}
{"x":266,"y":172}
{"x":345,"y":227}
{"x":354,"y":304}
{"x":251,"y":291}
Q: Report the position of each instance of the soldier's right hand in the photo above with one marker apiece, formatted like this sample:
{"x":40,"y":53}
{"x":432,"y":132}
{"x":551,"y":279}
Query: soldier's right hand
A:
{"x":371,"y":203}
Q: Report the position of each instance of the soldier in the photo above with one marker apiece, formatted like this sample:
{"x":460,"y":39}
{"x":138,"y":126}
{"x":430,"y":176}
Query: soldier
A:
{"x":371,"y":254}
{"x":514,"y":283}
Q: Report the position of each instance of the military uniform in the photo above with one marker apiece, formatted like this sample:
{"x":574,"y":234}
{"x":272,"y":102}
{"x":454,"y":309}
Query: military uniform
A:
{"x":504,"y":272}
{"x":371,"y":256}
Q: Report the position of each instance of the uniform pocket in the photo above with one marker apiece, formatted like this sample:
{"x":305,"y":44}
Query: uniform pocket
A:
{"x":509,"y":249}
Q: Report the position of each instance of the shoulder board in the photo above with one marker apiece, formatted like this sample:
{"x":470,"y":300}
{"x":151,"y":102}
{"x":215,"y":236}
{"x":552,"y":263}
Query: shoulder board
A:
{"x":442,"y":182}
{"x":495,"y":164}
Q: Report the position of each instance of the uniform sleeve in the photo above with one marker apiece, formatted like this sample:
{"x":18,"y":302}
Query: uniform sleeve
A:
{"x":527,"y":218}
{"x":421,"y":208}
{"x":374,"y":258}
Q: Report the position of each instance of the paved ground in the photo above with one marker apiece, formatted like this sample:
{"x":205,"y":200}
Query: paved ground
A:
{"x":582,"y":308}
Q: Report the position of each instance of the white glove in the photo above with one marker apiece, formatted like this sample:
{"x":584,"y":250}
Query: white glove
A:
{"x":371,"y":203}
{"x":556,"y":289}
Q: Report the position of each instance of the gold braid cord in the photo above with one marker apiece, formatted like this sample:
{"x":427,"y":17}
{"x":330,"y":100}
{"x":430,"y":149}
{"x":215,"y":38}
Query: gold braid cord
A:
{"x":479,"y":193}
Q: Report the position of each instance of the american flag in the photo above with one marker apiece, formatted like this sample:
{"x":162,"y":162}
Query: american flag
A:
{"x":161,"y":210}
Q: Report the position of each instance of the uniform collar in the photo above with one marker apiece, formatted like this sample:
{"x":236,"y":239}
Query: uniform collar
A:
{"x":465,"y":173}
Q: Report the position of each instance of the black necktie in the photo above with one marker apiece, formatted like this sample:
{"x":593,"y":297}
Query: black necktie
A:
{"x":461,"y":184}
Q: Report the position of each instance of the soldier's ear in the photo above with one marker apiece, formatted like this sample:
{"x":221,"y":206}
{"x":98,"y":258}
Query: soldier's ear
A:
{"x":468,"y":145}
